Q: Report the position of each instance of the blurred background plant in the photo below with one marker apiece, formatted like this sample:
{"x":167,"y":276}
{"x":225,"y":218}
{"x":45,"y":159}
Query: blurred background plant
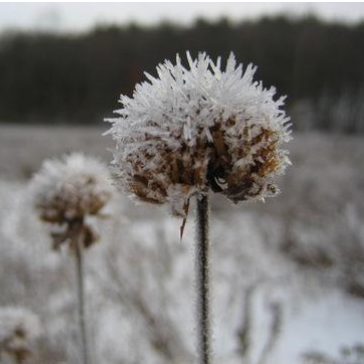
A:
{"x":19,"y":330}
{"x":66,"y":193}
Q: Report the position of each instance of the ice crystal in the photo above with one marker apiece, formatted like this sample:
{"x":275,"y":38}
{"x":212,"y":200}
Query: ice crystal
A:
{"x":199,"y":128}
{"x":18,"y":329}
{"x":67,"y":190}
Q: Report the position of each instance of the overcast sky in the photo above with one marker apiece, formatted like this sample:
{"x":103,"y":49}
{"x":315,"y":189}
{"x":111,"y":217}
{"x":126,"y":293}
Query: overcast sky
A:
{"x":82,"y":16}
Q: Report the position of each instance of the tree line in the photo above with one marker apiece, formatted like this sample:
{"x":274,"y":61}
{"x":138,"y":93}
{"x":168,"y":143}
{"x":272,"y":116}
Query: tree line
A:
{"x":77,"y":78}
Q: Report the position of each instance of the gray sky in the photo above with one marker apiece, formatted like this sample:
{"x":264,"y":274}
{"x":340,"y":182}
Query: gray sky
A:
{"x":82,"y":16}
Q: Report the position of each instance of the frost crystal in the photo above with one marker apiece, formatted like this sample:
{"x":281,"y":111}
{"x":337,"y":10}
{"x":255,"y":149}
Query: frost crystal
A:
{"x":67,"y":190}
{"x":197,"y":128}
{"x":18,"y":329}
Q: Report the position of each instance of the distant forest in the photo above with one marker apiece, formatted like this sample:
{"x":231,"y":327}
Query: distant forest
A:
{"x":77,"y":78}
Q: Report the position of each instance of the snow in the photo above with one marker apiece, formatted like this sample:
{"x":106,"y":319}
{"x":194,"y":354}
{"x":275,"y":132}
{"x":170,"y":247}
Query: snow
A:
{"x":329,"y":322}
{"x":140,"y":277}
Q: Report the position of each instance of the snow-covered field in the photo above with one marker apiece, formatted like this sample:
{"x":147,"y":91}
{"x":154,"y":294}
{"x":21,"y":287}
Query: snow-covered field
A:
{"x":288,"y":275}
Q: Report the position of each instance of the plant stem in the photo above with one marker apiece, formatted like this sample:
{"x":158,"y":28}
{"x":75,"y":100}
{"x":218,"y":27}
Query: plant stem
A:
{"x":81,"y":295}
{"x":202,"y":270}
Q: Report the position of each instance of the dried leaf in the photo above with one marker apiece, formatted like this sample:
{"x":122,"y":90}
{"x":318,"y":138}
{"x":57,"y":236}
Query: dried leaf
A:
{"x":182,"y":228}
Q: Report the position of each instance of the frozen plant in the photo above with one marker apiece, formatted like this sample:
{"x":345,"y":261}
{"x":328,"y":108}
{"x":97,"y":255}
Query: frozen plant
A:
{"x":19,"y":328}
{"x":70,"y":188}
{"x":66,"y":192}
{"x":191,"y":130}
{"x":197,"y":129}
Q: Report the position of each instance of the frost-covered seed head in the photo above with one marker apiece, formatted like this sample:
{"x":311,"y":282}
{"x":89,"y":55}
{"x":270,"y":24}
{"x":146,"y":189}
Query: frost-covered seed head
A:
{"x":19,"y":328}
{"x":67,"y":190}
{"x":71,"y":188}
{"x":200,"y":128}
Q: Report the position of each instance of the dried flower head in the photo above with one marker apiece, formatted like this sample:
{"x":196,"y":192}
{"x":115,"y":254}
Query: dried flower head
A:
{"x":68,"y":190}
{"x":191,"y":130}
{"x":19,"y":328}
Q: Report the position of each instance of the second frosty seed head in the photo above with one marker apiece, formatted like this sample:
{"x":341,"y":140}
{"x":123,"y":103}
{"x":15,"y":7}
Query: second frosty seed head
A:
{"x":70,"y":188}
{"x":200,"y":128}
{"x":66,"y":191}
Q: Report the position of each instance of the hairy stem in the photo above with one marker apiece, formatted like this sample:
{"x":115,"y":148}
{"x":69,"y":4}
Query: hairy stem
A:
{"x":81,"y":297}
{"x":203,"y":275}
